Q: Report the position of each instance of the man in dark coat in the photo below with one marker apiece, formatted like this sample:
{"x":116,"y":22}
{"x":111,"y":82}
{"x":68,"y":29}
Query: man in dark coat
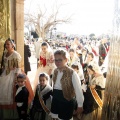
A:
{"x":102,"y":52}
{"x":27,"y":54}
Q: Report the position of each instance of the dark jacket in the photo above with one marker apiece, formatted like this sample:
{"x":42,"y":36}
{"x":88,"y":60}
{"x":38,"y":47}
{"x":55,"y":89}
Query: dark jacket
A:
{"x":22,"y":96}
{"x":27,"y":54}
{"x":102,"y":54}
{"x":102,"y":51}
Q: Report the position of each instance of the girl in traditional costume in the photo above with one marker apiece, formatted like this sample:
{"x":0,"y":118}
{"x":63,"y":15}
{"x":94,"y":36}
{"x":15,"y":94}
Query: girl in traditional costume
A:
{"x":46,"y":61}
{"x":78,"y":68}
{"x":73,"y":57}
{"x":11,"y":60}
{"x":43,"y":90}
{"x":89,"y":60}
{"x":94,"y":95}
{"x":84,"y":55}
{"x":76,"y":44}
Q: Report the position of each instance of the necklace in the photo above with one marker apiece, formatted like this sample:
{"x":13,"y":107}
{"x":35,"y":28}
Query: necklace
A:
{"x":9,"y":53}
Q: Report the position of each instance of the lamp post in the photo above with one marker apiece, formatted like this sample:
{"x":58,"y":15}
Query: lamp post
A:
{"x":29,"y":32}
{"x":50,"y":33}
{"x":55,"y":32}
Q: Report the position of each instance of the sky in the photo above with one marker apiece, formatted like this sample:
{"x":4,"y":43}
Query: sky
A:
{"x":88,"y":16}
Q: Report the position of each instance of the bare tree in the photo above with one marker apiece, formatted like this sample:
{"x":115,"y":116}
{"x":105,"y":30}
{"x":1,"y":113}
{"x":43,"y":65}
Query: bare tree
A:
{"x":43,"y":21}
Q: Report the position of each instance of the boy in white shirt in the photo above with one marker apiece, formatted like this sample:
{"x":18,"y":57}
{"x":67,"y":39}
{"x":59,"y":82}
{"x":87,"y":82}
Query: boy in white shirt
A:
{"x":66,"y":87}
{"x":21,"y":97}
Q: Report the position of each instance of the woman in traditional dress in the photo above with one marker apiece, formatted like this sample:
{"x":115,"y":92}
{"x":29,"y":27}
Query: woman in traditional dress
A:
{"x":84,"y":55}
{"x":11,"y":64}
{"x":76,"y":44}
{"x":93,"y":102}
{"x":78,"y":68}
{"x":73,"y":58}
{"x":89,"y":60}
{"x":46,"y":62}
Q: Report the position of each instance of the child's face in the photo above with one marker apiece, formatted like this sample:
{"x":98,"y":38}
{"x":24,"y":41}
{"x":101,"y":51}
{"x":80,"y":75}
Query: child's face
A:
{"x":8,"y":45}
{"x":43,"y":81}
{"x":89,"y":58}
{"x":84,"y":52}
{"x":44,"y":49}
{"x":90,"y":71}
{"x":71,"y":54}
{"x":20,"y":82}
{"x":60,"y":61}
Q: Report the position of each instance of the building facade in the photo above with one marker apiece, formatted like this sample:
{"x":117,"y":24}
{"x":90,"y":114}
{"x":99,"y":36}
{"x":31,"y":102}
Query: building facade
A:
{"x":12,"y":24}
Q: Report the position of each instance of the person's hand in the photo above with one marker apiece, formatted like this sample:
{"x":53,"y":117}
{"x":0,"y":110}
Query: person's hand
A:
{"x":74,"y":112}
{"x":22,"y":112}
{"x":15,"y":79}
{"x":93,"y":86}
{"x":49,"y":72}
{"x":79,"y":110}
{"x":38,"y":64}
{"x":15,"y":82}
{"x":11,"y":68}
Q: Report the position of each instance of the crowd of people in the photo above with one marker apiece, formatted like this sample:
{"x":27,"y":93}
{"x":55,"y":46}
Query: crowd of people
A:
{"x":68,"y":82}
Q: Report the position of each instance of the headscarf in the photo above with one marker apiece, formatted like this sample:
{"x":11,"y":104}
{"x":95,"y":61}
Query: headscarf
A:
{"x":95,"y":67}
